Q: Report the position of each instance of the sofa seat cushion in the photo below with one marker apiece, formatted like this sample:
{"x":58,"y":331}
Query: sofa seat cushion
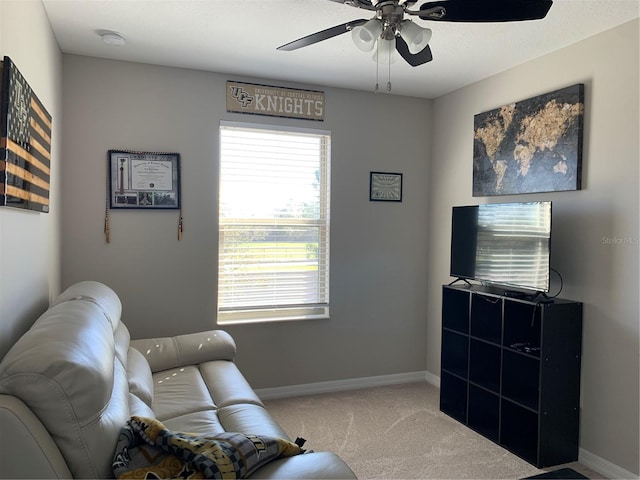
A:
{"x":226,"y":384}
{"x":247,"y":417}
{"x":199,"y":423}
{"x":199,"y":388}
{"x":180,"y":391}
{"x":210,"y":398}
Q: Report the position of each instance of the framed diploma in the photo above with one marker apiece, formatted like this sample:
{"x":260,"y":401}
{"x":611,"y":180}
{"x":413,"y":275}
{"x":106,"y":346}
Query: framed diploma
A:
{"x":144,"y":180}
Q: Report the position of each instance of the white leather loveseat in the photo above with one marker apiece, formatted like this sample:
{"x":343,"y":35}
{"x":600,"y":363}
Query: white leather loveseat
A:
{"x":72,"y":381}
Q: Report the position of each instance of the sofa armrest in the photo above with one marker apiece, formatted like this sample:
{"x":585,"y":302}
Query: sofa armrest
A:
{"x":190,"y":349}
{"x":26,"y":448}
{"x":309,"y":466}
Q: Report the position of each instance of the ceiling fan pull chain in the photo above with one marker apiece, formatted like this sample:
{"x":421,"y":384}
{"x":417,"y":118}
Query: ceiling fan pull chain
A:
{"x":389,"y":73}
{"x":377,"y":67}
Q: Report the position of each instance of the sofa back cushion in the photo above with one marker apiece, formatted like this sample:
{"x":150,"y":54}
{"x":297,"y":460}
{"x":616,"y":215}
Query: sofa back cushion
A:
{"x":65,"y":369}
{"x":139,"y":376}
{"x":98,"y":294}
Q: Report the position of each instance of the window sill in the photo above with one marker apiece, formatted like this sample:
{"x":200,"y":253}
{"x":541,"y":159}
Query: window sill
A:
{"x":254,"y":320}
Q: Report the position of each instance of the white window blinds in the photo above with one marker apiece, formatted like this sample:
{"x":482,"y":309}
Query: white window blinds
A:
{"x":273,"y":253}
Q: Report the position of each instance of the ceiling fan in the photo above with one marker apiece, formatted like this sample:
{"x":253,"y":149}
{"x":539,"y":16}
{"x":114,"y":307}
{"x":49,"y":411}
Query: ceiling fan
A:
{"x":390,"y":29}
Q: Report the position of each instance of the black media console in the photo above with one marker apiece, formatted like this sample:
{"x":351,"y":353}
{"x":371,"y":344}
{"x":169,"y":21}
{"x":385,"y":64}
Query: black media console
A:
{"x":511,"y":370}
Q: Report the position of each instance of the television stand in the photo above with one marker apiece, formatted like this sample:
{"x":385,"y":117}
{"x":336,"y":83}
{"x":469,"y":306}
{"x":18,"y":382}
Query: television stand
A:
{"x":460,"y":279}
{"x":539,"y":297}
{"x":542,"y":297}
{"x":510,"y":370}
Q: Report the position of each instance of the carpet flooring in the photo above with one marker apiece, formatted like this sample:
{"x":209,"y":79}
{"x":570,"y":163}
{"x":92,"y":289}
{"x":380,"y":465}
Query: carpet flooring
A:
{"x":398,"y":432}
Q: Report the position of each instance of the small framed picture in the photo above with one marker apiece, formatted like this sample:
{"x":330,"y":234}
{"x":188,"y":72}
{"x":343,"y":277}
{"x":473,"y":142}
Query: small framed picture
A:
{"x":385,"y":187}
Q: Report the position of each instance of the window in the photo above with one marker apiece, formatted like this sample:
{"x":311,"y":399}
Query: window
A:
{"x":273,"y":250}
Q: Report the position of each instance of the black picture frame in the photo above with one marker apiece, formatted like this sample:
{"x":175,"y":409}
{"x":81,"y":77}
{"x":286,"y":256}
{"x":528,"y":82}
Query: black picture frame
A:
{"x":144,"y":180}
{"x":385,"y":187}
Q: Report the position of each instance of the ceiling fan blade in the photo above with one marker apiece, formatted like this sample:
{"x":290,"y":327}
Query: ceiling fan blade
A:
{"x":485,"y":10}
{"x":322,"y":35}
{"x":413,"y":59}
{"x":366,"y":4}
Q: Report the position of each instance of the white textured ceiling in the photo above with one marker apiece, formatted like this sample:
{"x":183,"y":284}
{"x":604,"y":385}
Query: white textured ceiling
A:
{"x":239,"y":37}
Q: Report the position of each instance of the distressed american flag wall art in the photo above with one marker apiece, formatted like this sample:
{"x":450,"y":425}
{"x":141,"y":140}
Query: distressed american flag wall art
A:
{"x":25,"y":144}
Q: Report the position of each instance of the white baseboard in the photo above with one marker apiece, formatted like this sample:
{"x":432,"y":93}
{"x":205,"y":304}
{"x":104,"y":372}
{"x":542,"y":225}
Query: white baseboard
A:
{"x":432,"y":379}
{"x":605,"y":467}
{"x":342,"y":385}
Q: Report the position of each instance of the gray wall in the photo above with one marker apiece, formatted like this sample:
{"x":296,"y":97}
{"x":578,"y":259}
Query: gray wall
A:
{"x":378,"y":249}
{"x":602,"y":274}
{"x":30,"y":241}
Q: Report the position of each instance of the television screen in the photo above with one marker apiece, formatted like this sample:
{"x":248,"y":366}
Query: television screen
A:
{"x":503,"y":243}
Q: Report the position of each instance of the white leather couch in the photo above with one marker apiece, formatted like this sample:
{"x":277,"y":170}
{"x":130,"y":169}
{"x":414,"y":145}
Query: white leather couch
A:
{"x":70,"y":384}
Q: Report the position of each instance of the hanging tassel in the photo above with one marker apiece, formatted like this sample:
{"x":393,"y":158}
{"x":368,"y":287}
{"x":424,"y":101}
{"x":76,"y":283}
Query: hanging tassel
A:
{"x":180,"y":228}
{"x":107,"y":228}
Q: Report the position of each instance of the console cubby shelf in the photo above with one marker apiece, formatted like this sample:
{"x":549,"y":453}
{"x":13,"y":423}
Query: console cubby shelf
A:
{"x":511,"y":370}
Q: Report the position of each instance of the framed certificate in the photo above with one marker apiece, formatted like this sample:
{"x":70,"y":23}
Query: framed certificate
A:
{"x":144,"y":180}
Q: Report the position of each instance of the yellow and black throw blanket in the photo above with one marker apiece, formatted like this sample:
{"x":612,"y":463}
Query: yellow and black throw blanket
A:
{"x":147,"y":449}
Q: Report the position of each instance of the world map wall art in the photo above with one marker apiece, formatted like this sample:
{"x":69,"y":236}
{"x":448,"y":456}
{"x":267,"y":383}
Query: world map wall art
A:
{"x":534,"y":145}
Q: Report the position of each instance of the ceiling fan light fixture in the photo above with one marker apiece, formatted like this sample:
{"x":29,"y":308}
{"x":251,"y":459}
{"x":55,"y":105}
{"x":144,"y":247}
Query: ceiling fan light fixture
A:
{"x":417,"y":37}
{"x":385,"y":53}
{"x":365,"y":36}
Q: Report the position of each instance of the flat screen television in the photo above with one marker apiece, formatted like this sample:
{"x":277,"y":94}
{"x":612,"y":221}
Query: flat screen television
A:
{"x":503,"y":243}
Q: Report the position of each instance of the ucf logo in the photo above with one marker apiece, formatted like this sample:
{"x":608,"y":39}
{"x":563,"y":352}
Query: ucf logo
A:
{"x":241,"y":96}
